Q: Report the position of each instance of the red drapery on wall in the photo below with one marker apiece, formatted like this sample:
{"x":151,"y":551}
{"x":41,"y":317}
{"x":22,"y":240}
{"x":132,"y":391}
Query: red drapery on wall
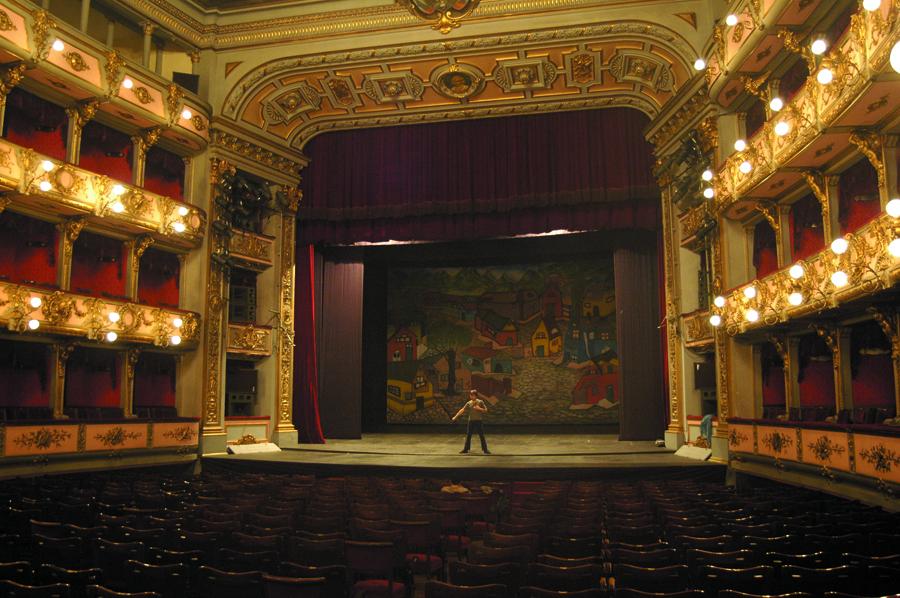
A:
{"x":871,"y":367}
{"x":24,"y":374}
{"x":772,"y":377}
{"x":98,"y":266}
{"x":815,"y":374}
{"x":36,"y":123}
{"x":165,"y":173}
{"x":28,"y":249}
{"x":858,"y":200}
{"x":807,"y":236}
{"x":106,"y":151}
{"x":465,"y":180}
{"x":154,"y":381}
{"x":765,"y":254}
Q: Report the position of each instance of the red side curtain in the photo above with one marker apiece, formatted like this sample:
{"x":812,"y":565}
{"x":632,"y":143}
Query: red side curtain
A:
{"x":765,"y":254}
{"x":871,"y":367}
{"x":158,"y":279}
{"x":306,"y":373}
{"x":24,"y":374}
{"x":154,"y":381}
{"x":858,"y":200}
{"x":36,"y":123}
{"x":807,"y":236}
{"x":28,"y":249}
{"x":92,"y":378}
{"x":106,"y":151}
{"x":814,"y":373}
{"x":98,"y":266}
{"x":164,"y":173}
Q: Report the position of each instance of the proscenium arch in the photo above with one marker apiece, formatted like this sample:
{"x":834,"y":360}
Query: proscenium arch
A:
{"x":646,"y":40}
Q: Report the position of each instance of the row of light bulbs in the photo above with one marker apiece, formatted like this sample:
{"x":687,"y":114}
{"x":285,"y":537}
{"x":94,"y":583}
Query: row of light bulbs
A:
{"x":118,"y":191}
{"x":818,"y":47}
{"x":838,"y":278}
{"x":113,"y":316}
{"x":58,"y":46}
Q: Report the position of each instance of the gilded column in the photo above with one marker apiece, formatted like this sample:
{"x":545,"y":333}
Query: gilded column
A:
{"x":136,"y":249}
{"x":60,"y":356}
{"x":676,"y":398}
{"x":831,"y":336}
{"x":130,"y":363}
{"x":79,"y":115}
{"x":285,"y":343}
{"x":780,"y":342}
{"x":216,"y":301}
{"x":890,"y":326}
{"x":9,"y":78}
{"x":69,"y":231}
{"x":723,"y":365}
{"x":142,"y":143}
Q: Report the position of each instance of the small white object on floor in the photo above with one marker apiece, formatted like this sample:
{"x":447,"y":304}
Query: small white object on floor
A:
{"x":246,"y":449}
{"x":693,"y":452}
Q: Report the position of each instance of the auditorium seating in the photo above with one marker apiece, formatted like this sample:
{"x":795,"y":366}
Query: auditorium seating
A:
{"x":157,"y":533}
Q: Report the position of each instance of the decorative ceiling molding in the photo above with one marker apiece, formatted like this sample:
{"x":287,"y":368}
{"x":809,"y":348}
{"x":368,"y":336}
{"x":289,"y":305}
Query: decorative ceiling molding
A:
{"x":442,"y":15}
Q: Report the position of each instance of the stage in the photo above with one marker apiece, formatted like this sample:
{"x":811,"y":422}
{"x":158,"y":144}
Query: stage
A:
{"x":514,"y":456}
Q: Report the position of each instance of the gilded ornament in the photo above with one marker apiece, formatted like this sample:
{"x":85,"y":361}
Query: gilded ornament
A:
{"x":881,"y":457}
{"x":82,"y":112}
{"x":57,"y":308}
{"x":199,"y":122}
{"x":113,"y":70}
{"x":10,"y":77}
{"x":246,"y":439}
{"x":173,"y":101}
{"x":76,"y":61}
{"x":870,"y":144}
{"x":252,"y":151}
{"x":6,"y":23}
{"x":190,"y":326}
{"x":736,"y":438}
{"x":41,"y":24}
{"x":393,"y":87}
{"x":293,"y":101}
{"x":777,"y":442}
{"x":583,"y":66}
{"x":457,"y":81}
{"x":341,"y":91}
{"x":522,"y":74}
{"x":823,"y":448}
{"x":116,"y":436}
{"x":142,"y":94}
{"x":183,"y":433}
{"x":249,"y":338}
{"x":444,"y":15}
{"x":43,"y":439}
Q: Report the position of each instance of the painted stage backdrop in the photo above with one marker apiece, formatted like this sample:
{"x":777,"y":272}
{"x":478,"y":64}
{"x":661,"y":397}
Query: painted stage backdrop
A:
{"x":538,"y":340}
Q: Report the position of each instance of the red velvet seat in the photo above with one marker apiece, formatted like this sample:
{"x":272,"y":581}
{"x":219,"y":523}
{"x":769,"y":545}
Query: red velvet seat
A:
{"x":375,"y":565}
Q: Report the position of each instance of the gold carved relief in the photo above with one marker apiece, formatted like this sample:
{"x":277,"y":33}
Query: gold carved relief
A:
{"x":41,"y":24}
{"x":76,"y":61}
{"x":142,"y":94}
{"x":444,"y":15}
{"x":6,"y":23}
{"x":457,"y":81}
{"x":173,"y":102}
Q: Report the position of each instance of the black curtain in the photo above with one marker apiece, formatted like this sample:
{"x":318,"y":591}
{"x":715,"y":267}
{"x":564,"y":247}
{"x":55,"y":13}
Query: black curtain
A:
{"x":642,"y":406}
{"x":340,"y":349}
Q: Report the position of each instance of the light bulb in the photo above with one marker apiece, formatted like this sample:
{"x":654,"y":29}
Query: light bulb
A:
{"x":47,"y":165}
{"x":183,"y":211}
{"x":719,"y":301}
{"x":796,"y":271}
{"x":179,"y":227}
{"x":709,"y":193}
{"x":699,"y":64}
{"x":117,"y":206}
{"x":175,"y":340}
{"x":819,"y":46}
{"x":731,"y":20}
{"x":58,"y":45}
{"x":111,"y":336}
{"x":114,"y":316}
{"x":34,"y":324}
{"x":715,"y":319}
{"x":707,"y":175}
{"x":35,"y":302}
{"x":177,"y":322}
{"x":840,"y":245}
{"x":894,"y":247}
{"x":776,"y":104}
{"x":186,"y":114}
{"x":893,"y":208}
{"x":839,"y":279}
{"x":745,"y":167}
{"x":795,"y":298}
{"x":895,"y":57}
{"x":782,"y":128}
{"x":871,"y":4}
{"x":118,"y":190}
{"x":740,"y":145}
{"x":825,"y":76}
{"x":127,"y":83}
{"x":45,"y":186}
{"x":752,"y":315}
{"x":750,"y":292}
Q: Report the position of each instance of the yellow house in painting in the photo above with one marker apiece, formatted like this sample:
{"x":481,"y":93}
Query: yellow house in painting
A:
{"x":408,"y":388}
{"x":546,"y":339}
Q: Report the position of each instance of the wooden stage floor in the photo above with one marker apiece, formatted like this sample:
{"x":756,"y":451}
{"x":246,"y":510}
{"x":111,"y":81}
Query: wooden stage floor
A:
{"x":514,"y":456}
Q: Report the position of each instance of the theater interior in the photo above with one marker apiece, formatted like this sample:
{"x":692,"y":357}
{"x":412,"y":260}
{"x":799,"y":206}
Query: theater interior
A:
{"x":267,"y":265}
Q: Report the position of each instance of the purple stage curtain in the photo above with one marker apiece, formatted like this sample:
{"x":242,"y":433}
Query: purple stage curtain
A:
{"x":642,"y":404}
{"x":306,"y":373}
{"x":488,"y":178}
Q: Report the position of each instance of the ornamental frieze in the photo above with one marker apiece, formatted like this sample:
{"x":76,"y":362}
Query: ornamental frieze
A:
{"x":520,"y":75}
{"x":291,"y":103}
{"x":391,"y":88}
{"x":641,"y":68}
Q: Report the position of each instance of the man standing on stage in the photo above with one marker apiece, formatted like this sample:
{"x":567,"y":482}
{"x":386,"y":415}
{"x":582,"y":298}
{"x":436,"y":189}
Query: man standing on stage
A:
{"x":477,"y":408}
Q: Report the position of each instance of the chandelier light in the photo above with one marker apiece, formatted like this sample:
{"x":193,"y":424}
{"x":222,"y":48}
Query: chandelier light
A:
{"x":731,"y":20}
{"x":839,"y":246}
{"x":819,"y":46}
{"x":782,"y":128}
{"x":719,"y":301}
{"x":795,"y":298}
{"x":709,"y":193}
{"x":752,"y":315}
{"x":699,"y":64}
{"x":776,"y":104}
{"x":708,"y":176}
{"x":893,"y":208}
{"x":750,"y":292}
{"x":35,"y":302}
{"x":740,"y":145}
{"x":715,"y":320}
{"x":839,"y":279}
{"x":796,"y":271}
{"x":34,"y":324}
{"x":746,"y":167}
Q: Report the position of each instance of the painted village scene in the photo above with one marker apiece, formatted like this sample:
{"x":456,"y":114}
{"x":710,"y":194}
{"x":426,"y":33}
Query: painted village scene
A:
{"x":539,"y":341}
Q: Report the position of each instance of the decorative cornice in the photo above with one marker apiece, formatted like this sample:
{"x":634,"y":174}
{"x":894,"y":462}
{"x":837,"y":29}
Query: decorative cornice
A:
{"x":252,"y":151}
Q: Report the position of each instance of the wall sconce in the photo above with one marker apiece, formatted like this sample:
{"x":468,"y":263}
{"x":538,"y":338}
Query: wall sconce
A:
{"x":22,"y":308}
